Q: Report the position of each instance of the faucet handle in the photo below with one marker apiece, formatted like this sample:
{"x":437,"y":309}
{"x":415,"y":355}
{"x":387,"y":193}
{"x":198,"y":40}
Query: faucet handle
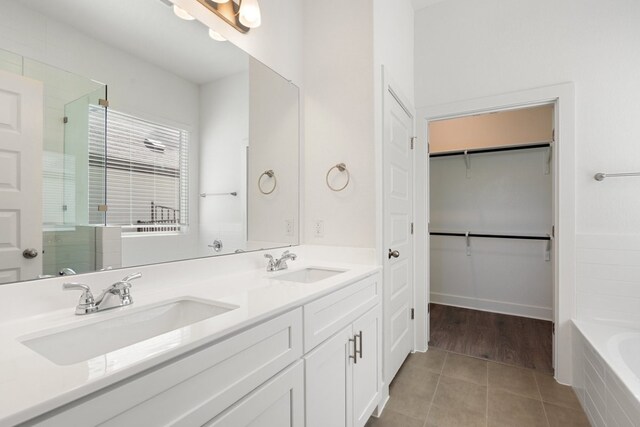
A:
{"x":131,"y":277}
{"x":123,"y":285}
{"x":87,"y":303}
{"x":77,"y":287}
{"x":271,"y":266}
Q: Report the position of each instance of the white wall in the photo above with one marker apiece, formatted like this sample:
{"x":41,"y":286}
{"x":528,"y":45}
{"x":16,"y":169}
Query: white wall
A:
{"x":339,"y":120}
{"x":467,"y":49}
{"x":224,"y":135}
{"x":608,"y":278}
{"x":393,"y":44}
{"x":506,"y":193}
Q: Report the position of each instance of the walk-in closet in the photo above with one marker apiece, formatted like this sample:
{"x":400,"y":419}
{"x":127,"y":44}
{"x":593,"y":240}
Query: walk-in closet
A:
{"x":491,"y":195}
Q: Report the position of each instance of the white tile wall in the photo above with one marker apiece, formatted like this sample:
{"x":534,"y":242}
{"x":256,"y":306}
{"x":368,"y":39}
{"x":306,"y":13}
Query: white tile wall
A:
{"x":608,"y":278}
{"x":606,"y":401}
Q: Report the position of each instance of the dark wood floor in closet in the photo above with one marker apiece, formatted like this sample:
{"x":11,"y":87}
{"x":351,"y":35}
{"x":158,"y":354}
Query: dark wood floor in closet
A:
{"x":502,"y":338}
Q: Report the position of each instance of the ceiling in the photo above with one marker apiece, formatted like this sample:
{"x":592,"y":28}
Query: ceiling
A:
{"x":149,"y":29}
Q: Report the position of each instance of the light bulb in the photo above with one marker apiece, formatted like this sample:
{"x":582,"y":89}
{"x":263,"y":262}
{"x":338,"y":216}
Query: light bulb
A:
{"x":181,"y":13}
{"x":220,"y":1}
{"x":250,"y":13}
{"x":216,"y":36}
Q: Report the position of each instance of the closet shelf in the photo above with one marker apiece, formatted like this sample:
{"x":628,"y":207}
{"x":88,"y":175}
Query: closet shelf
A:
{"x":491,"y":236}
{"x":492,"y":150}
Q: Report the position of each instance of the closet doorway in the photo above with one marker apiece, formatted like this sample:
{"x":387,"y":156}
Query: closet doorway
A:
{"x":491,"y":212}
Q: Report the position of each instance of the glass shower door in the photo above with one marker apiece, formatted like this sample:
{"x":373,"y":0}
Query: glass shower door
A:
{"x":85,"y":152}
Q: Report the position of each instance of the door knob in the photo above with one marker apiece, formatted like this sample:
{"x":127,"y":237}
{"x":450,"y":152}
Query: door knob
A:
{"x":30,"y":253}
{"x":393,"y":254}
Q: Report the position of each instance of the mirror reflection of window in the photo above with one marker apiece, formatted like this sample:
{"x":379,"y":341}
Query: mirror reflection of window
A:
{"x":147,"y":173}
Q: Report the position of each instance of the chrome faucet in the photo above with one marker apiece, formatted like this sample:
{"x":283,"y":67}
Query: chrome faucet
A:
{"x":281,"y":263}
{"x":116,"y":295}
{"x":67,"y":272}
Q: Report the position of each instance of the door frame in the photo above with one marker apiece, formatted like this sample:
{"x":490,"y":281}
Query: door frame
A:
{"x":388,"y":84}
{"x":563,"y":159}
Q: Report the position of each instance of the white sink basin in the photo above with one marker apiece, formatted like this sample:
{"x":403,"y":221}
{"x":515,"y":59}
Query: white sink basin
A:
{"x":71,"y":346}
{"x":309,"y":275}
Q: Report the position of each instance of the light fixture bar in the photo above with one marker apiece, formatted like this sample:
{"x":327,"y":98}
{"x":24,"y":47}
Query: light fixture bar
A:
{"x":229,"y":12}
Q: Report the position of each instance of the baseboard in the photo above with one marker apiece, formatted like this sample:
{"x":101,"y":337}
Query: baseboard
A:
{"x":502,"y":307}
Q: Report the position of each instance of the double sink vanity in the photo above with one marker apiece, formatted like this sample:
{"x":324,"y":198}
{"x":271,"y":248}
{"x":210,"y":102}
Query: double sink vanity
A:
{"x":299,"y":346}
{"x":167,"y":173}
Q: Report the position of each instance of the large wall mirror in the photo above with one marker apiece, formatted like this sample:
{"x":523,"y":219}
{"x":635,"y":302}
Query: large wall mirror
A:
{"x":128,"y":136}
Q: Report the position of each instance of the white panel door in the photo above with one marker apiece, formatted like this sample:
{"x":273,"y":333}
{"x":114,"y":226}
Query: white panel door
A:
{"x":367,"y":372}
{"x":328,"y":384}
{"x":398,"y":210}
{"x":21,"y":118}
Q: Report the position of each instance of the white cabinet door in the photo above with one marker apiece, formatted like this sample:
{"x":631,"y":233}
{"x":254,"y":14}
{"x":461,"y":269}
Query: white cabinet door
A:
{"x":328,"y":382}
{"x":277,"y":403}
{"x":367,"y":375}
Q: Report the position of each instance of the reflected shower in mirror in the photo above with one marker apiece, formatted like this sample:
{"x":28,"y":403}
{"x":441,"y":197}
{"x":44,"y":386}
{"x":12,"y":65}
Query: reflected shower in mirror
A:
{"x":128,"y":137}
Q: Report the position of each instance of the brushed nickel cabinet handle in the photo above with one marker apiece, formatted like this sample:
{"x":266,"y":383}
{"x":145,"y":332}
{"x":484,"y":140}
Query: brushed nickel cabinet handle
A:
{"x":355,"y":350}
{"x":359,"y":335}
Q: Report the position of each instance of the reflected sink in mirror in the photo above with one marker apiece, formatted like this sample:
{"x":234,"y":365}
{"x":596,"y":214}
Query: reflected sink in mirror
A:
{"x":86,"y":342}
{"x":309,"y":275}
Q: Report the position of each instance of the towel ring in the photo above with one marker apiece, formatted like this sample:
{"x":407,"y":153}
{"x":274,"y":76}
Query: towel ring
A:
{"x":342,"y":168}
{"x":271,"y":174}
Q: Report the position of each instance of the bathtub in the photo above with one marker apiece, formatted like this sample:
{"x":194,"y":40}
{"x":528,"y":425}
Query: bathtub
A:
{"x":606,"y":372}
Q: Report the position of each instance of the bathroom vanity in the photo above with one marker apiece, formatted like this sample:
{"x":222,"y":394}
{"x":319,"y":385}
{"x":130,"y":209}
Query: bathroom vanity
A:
{"x":296,"y":347}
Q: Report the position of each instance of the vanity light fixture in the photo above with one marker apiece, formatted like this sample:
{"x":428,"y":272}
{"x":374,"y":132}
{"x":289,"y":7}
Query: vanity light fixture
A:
{"x":250,"y":13}
{"x":240,"y":14}
{"x":216,"y":35}
{"x":181,"y":13}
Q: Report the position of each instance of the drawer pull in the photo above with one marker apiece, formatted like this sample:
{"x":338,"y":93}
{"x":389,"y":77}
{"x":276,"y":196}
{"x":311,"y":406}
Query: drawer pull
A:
{"x":355,"y":350}
{"x":359,"y":335}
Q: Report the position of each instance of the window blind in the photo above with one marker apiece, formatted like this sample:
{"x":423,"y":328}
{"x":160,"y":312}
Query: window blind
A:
{"x":58,"y":189}
{"x":146,"y":172}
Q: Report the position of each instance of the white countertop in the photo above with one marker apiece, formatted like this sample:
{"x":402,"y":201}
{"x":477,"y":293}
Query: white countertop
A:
{"x":31,"y":385}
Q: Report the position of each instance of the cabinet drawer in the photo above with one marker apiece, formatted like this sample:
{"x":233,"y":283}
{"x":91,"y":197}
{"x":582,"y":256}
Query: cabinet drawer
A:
{"x":279,"y":402}
{"x":197,"y":387}
{"x":326,"y":316}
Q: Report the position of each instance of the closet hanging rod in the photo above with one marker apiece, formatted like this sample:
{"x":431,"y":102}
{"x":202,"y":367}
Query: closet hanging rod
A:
{"x":491,"y":236}
{"x":492,"y":150}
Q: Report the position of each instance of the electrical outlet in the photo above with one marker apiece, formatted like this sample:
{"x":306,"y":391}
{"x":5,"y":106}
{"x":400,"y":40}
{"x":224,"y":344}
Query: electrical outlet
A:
{"x":288,"y":226}
{"x":318,"y":228}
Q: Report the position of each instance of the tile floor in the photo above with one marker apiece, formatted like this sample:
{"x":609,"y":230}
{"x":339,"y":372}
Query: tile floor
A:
{"x":440,"y":388}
